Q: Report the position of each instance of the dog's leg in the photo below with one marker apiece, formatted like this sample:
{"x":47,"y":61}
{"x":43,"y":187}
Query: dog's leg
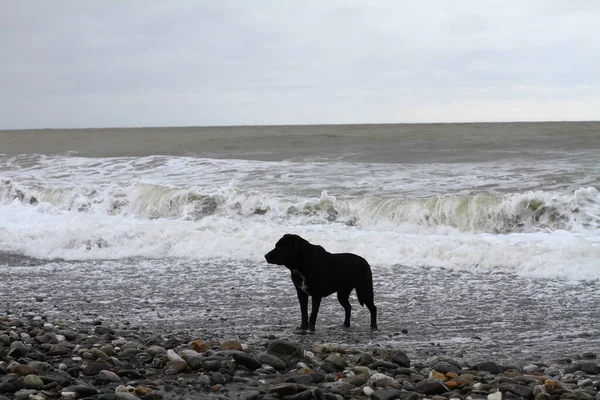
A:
{"x":303,"y":300}
{"x":342,"y":297}
{"x":373,"y":310}
{"x":316,"y":303}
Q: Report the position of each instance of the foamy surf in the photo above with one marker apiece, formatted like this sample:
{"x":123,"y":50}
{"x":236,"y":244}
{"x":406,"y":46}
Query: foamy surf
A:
{"x":537,"y":219}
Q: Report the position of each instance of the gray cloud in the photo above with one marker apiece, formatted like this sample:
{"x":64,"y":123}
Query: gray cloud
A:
{"x":142,"y":63}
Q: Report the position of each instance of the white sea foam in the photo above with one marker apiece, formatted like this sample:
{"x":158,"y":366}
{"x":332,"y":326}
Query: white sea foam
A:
{"x":473,"y":217}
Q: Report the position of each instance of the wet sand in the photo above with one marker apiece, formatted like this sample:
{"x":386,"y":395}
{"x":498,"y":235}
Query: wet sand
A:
{"x":423,"y":311}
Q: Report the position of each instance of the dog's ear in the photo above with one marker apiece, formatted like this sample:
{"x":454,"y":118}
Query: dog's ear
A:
{"x":298,"y":246}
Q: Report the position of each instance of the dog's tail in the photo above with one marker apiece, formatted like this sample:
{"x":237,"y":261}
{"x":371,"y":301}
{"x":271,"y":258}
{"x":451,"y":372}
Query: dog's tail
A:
{"x":364,"y":287}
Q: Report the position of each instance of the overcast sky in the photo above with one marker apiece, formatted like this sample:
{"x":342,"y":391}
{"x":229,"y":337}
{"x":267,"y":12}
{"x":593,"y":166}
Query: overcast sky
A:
{"x":162,"y":63}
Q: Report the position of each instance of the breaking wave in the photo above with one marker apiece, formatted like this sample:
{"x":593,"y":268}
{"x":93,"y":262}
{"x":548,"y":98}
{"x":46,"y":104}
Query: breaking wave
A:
{"x":531,"y":211}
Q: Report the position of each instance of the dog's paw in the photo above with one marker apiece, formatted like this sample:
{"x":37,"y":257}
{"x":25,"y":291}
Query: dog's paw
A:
{"x":300,"y":330}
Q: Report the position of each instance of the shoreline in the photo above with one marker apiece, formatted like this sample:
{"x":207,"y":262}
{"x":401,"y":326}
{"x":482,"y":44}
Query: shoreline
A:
{"x":103,"y":360}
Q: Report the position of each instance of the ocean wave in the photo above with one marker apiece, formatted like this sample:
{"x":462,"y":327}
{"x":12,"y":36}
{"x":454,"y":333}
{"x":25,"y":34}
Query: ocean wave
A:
{"x":530,"y":211}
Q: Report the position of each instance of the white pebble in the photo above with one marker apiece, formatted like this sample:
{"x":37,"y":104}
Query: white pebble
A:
{"x":176,"y":361}
{"x":528,"y":369}
{"x":126,"y":396}
{"x":76,"y":359}
{"x":368,"y":391}
{"x":60,"y":338}
{"x":585,"y":382}
{"x":268,"y":368}
{"x":381,"y":380}
{"x":69,"y":395}
{"x":309,"y":354}
{"x":495,"y":396}
{"x":189,"y":353}
{"x":62,"y":366}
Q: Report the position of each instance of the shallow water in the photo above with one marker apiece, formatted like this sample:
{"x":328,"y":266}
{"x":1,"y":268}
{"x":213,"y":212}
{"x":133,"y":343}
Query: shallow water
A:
{"x":483,"y":238}
{"x":484,"y":316}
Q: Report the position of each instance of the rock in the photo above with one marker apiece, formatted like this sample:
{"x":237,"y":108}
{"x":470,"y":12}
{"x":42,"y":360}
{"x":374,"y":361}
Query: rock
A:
{"x":381,"y":380}
{"x":401,"y":359}
{"x":356,"y":380}
{"x":385,"y":365}
{"x":529,"y":369}
{"x":218,"y":378}
{"x":489,"y":366}
{"x":97,"y":353}
{"x":42,"y":367}
{"x":274,"y":361}
{"x":360,"y":370}
{"x":125,"y":392}
{"x":336,"y":361}
{"x":58,"y":350}
{"x":143,"y":357}
{"x":284,"y":389}
{"x":156,"y":350}
{"x":152,"y":396}
{"x":303,"y":379}
{"x":176,"y":361}
{"x":10,"y":385}
{"x":431,"y":386}
{"x":44,"y":337}
{"x":130,"y":373}
{"x":589,"y":368}
{"x":340,"y":387}
{"x":231,"y":345}
{"x":495,"y":396}
{"x":84,"y":390}
{"x":32,"y":382}
{"x":68,"y":334}
{"x":519,"y":390}
{"x":585,"y":382}
{"x":18,"y":349}
{"x":250,"y":395}
{"x":211,"y":365}
{"x":285,"y":350}
{"x":245,"y":359}
{"x":142,"y":391}
{"x":365,"y":359}
{"x":386,"y":394}
{"x":195,"y":362}
{"x":24,"y":394}
{"x":446,"y":367}
{"x":108,"y":376}
{"x":23,"y":370}
{"x":198,"y":345}
{"x":303,"y":395}
{"x":93,"y":369}
{"x":438,"y":376}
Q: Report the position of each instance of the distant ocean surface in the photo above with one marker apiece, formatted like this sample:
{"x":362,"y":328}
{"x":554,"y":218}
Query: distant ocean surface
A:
{"x":519,"y":197}
{"x":478,"y":234}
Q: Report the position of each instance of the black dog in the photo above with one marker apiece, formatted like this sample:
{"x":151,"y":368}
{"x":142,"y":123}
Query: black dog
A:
{"x":318,"y":273}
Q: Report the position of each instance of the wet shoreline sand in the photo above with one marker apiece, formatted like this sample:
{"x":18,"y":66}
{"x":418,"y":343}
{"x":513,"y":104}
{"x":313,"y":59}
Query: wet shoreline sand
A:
{"x":424,"y":311}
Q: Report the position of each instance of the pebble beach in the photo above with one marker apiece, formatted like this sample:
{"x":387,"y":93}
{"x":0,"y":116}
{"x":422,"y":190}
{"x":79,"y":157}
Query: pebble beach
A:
{"x":41,"y":358}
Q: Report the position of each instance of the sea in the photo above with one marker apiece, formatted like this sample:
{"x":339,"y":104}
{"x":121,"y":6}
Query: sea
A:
{"x":483,"y":238}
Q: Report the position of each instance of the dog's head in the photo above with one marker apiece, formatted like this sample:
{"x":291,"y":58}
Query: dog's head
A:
{"x":286,"y":250}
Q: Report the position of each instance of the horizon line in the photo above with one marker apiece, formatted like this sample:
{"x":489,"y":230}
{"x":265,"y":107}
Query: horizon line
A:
{"x":303,"y":125}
